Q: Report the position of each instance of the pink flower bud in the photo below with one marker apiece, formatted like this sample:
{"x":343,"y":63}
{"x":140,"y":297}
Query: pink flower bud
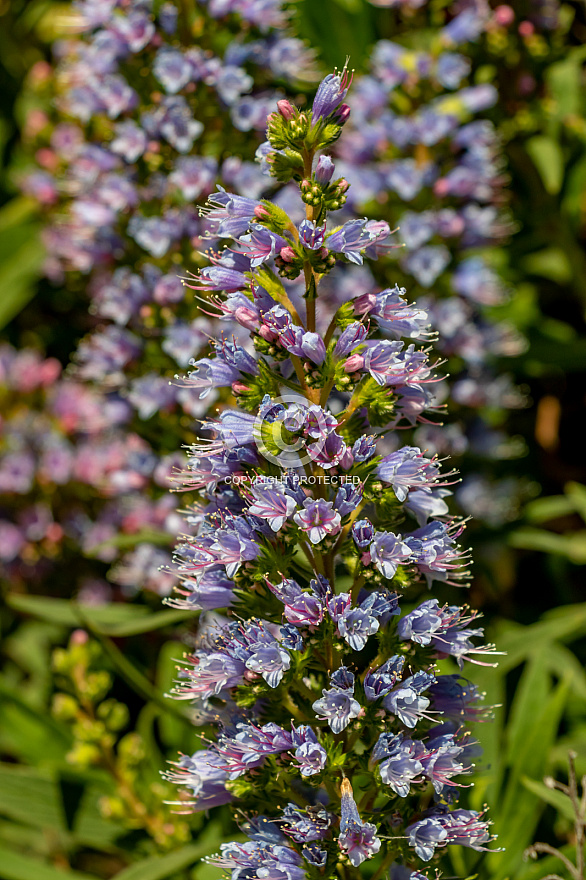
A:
{"x":239,"y":387}
{"x":342,"y":114}
{"x":286,"y":109}
{"x":287,"y":254}
{"x":261,"y":212}
{"x":267,"y":333}
{"x":246,"y":317}
{"x":343,"y":185}
{"x":354,"y":362}
{"x":504,"y":15}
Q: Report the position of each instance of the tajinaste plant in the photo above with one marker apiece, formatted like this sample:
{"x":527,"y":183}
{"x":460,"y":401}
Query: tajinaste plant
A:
{"x":339,"y":740}
{"x":426,"y":158}
{"x":132,"y":137}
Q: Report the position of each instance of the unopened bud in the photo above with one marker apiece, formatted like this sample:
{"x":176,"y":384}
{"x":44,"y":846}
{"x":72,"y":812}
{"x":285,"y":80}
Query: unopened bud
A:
{"x":286,"y":109}
{"x":239,"y":388}
{"x":324,"y":170}
{"x":288,"y":254}
{"x":261,"y":213}
{"x":342,"y":114}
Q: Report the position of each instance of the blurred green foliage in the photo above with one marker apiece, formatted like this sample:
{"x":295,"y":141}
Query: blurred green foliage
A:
{"x":80,"y":788}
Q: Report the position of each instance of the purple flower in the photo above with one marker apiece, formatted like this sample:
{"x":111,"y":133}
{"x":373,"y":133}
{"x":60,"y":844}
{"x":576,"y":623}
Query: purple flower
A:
{"x":406,"y":701}
{"x":427,"y":264}
{"x":202,"y":775}
{"x":306,"y":825}
{"x":261,"y":244}
{"x":271,"y":662}
{"x":362,"y":533}
{"x":324,"y":170}
{"x":193,"y":176}
{"x":311,"y":757}
{"x":172,"y":69}
{"x":311,"y":236}
{"x":380,"y":681}
{"x":424,"y":836}
{"x":318,"y":519}
{"x":426,"y":503}
{"x":230,"y":215}
{"x":350,"y":339}
{"x":357,"y":838}
{"x":330,"y":93}
{"x":177,"y":125}
{"x":356,"y":625}
{"x":348,"y":497}
{"x":306,"y":344}
{"x":407,"y":469}
{"x":440,"y":761}
{"x":388,"y":551}
{"x":271,"y":503}
{"x":456,"y":701}
{"x":213,"y":589}
{"x":402,"y":763}
{"x":355,"y":236}
{"x":338,"y":707}
{"x":436,"y":554}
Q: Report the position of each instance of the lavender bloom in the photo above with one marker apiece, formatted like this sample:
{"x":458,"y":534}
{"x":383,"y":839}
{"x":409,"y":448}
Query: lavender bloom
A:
{"x":311,"y":236}
{"x":272,"y":503}
{"x":387,"y":551}
{"x":338,"y":707}
{"x":330,"y":94}
{"x":381,"y":681}
{"x":203,"y":777}
{"x":407,"y":469}
{"x":406,"y":701}
{"x":401,"y":764}
{"x":324,"y":170}
{"x":273,"y":534}
{"x":318,"y":519}
{"x":355,"y":236}
{"x":357,"y":838}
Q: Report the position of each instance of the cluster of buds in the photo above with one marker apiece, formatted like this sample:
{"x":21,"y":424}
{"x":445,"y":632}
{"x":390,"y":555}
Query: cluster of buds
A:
{"x":338,"y":737}
{"x":96,"y":723}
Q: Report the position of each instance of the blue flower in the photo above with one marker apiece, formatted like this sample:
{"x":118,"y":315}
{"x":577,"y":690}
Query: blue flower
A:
{"x":338,"y":707}
{"x":272,"y":503}
{"x":330,"y":93}
{"x":357,"y":838}
{"x":407,"y":702}
{"x":355,"y":236}
{"x":380,"y":681}
{"x":388,"y":551}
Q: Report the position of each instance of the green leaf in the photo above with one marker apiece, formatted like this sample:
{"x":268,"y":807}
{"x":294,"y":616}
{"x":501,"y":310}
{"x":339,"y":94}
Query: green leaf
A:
{"x":17,"y":867}
{"x":68,"y":613}
{"x":26,"y":733}
{"x":518,"y":811}
{"x":556,"y":799}
{"x":159,"y":867}
{"x":571,"y":545}
{"x":18,"y":272}
{"x":548,"y":158}
{"x":30,"y":796}
{"x":576,"y":492}
{"x":113,"y":620}
{"x":530,"y":696}
{"x":549,"y":263}
{"x":550,"y":507}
